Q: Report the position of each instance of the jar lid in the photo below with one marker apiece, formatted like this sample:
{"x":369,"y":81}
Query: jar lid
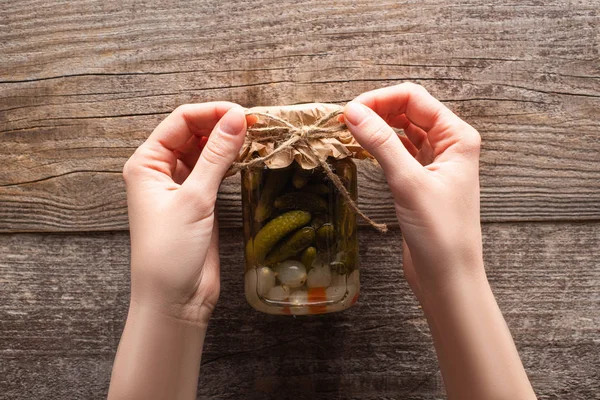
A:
{"x":305,"y":133}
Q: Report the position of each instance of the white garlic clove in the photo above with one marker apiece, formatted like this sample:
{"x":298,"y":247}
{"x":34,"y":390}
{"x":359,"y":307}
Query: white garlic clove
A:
{"x":319,"y":276}
{"x":299,"y":297}
{"x":338,"y":280}
{"x":291,"y":273}
{"x":335,"y":293}
{"x":299,"y":300}
{"x":278,"y":293}
{"x":337,"y":289}
{"x":265,"y":280}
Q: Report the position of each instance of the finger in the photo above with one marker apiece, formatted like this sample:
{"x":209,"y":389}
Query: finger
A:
{"x":420,"y":107}
{"x":220,"y":151}
{"x":182,"y":171}
{"x":442,"y":126}
{"x":379,"y":139}
{"x":416,"y":135}
{"x":202,"y":143}
{"x":415,"y":140}
{"x":409,"y":146}
{"x":211,"y":272}
{"x":188,"y":120}
{"x":157,"y":156}
{"x":190,"y":152}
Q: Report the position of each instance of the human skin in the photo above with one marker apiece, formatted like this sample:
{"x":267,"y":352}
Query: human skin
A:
{"x":172,"y":182}
{"x":433,"y":173}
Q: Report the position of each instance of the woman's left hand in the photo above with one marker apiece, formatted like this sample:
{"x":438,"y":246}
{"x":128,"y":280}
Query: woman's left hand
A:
{"x":172,"y":181}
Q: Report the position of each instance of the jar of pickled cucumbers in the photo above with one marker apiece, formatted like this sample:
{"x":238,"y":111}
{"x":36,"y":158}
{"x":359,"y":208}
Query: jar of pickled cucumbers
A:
{"x":299,"y":194}
{"x":301,"y":245}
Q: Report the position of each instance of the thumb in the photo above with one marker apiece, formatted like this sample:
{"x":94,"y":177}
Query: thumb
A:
{"x":220,"y":151}
{"x":379,"y":139}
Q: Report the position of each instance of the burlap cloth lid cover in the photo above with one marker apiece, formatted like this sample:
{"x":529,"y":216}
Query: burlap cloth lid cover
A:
{"x":306,"y":133}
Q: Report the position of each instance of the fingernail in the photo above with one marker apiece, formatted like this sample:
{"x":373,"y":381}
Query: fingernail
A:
{"x":233,"y":121}
{"x":355,"y":113}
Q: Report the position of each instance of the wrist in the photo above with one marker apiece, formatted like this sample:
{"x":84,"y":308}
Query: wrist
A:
{"x":475,"y":350}
{"x":455,"y":290}
{"x":171,"y":313}
{"x":158,"y":356}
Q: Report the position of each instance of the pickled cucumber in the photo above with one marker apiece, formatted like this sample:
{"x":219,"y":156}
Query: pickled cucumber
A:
{"x":318,"y":221}
{"x":308,"y":257}
{"x":251,"y":179}
{"x":291,"y":246}
{"x":346,"y":170}
{"x":301,"y":201}
{"x":317,"y":188}
{"x":345,"y":217}
{"x":277,"y":229}
{"x":276,"y":180}
{"x":350,"y":259}
{"x":345,"y":261}
{"x":299,"y":228}
{"x":338,"y":267}
{"x":325,"y":237}
{"x":247,"y":208}
{"x":301,"y":176}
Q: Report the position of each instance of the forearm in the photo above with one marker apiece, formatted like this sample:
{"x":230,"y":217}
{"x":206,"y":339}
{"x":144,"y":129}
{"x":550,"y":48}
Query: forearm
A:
{"x":477,"y":355}
{"x":158,"y":357}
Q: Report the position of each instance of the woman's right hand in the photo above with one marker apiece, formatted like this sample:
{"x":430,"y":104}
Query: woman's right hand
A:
{"x":434,"y":176}
{"x":433,"y":173}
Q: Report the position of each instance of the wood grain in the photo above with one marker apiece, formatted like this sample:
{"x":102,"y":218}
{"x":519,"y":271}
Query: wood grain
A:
{"x":82,"y":85}
{"x":64,"y":299}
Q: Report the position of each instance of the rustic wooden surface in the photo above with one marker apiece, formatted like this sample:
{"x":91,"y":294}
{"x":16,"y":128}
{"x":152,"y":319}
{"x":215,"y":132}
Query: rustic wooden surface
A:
{"x":83,"y":83}
{"x":68,"y":295}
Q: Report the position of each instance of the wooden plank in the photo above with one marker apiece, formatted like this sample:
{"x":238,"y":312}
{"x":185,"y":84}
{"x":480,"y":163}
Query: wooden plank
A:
{"x":524,"y":73}
{"x":64,"y":298}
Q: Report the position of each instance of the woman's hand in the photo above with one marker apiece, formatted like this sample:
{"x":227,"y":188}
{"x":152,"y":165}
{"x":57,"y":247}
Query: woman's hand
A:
{"x":433,"y":173}
{"x":172,"y":182}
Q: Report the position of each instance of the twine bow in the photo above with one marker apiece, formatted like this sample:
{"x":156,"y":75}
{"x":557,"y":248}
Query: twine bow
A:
{"x":279,"y":129}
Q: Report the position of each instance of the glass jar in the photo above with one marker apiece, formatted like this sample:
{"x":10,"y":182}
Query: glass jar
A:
{"x":301,"y":243}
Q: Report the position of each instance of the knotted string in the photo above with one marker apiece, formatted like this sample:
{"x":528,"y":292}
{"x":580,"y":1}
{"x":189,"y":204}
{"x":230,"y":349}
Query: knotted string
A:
{"x":294,"y":135}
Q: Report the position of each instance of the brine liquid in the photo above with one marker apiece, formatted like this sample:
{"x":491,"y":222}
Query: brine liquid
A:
{"x":301,"y":245}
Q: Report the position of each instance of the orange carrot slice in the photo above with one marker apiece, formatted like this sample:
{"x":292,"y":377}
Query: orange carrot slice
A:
{"x":317,"y":295}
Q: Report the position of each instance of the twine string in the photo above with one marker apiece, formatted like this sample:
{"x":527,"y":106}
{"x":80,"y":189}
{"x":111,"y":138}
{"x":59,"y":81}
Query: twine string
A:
{"x":279,"y":129}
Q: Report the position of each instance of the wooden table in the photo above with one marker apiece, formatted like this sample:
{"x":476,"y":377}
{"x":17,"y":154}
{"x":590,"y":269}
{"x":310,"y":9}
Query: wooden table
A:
{"x":83,"y":83}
